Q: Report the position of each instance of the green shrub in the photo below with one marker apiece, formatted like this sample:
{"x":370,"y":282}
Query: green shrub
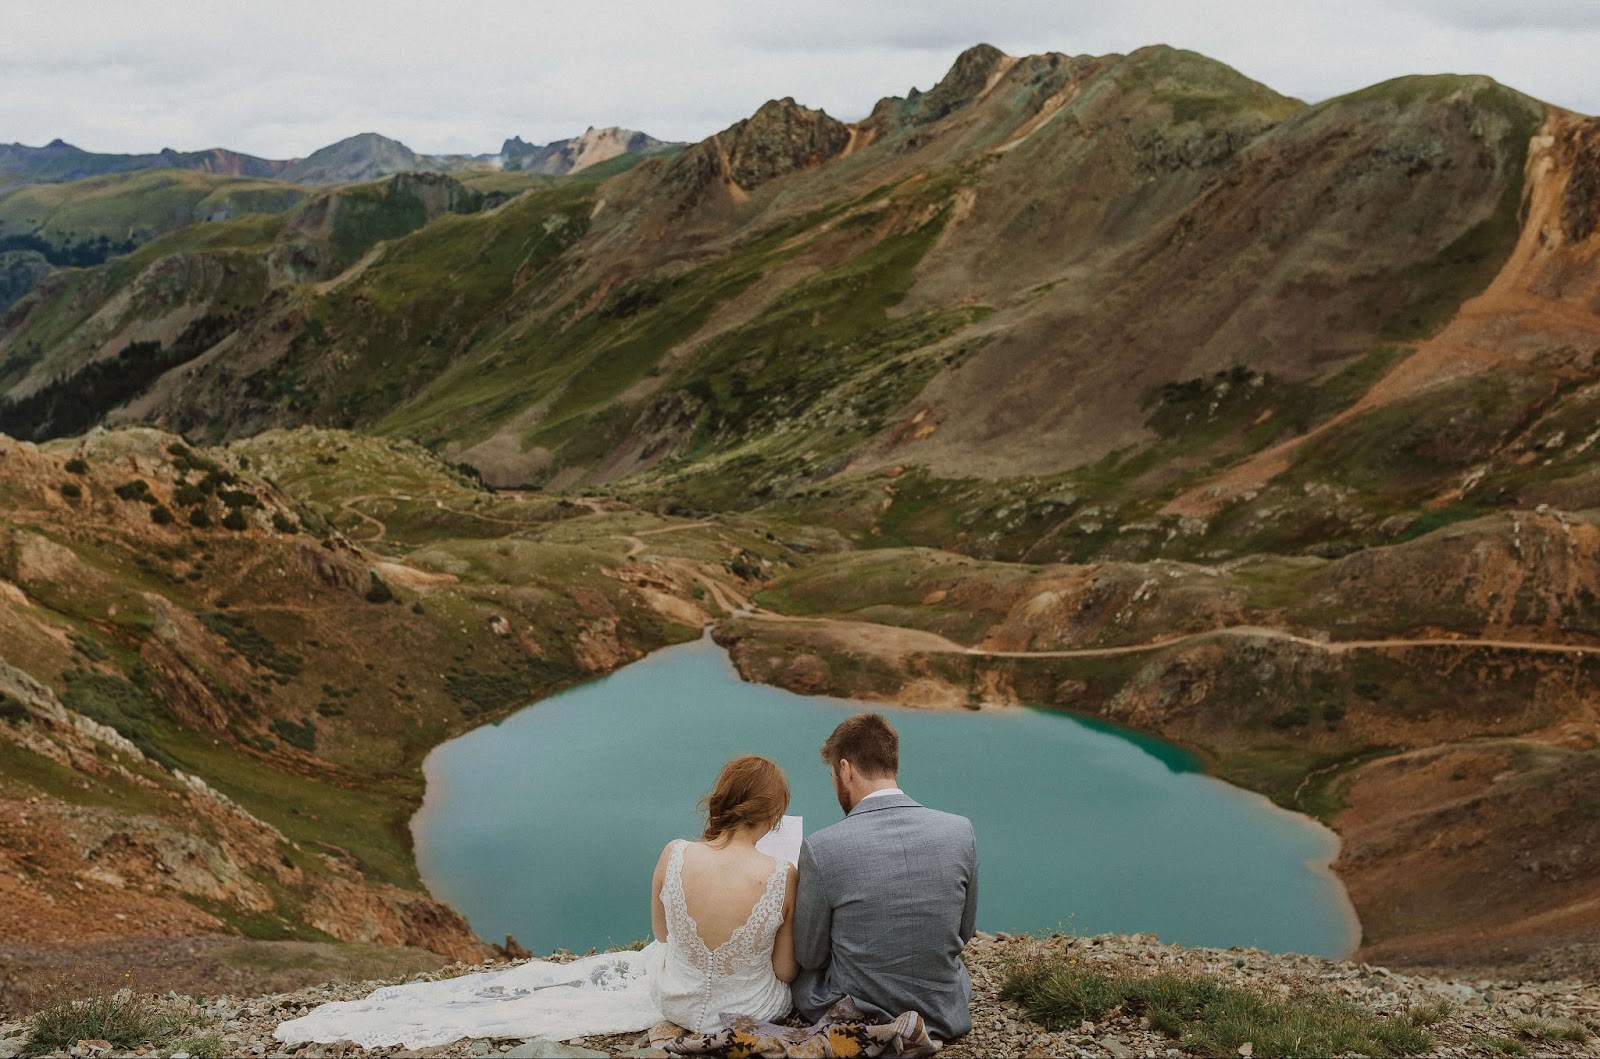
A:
{"x":87,"y":647}
{"x":187,"y":494}
{"x":199,"y":519}
{"x":479,"y":692}
{"x":284,"y":524}
{"x":126,"y":1019}
{"x":135,"y":489}
{"x":160,"y":515}
{"x":1294,"y":717}
{"x":1546,"y":1030}
{"x":379,"y":591}
{"x":71,"y":490}
{"x":302,"y":735}
{"x":206,"y":1045}
{"x":12,"y":711}
{"x":251,"y":643}
{"x":235,"y":520}
{"x":77,"y":465}
{"x":238,"y":498}
{"x":1429,"y":1014}
{"x":186,"y":459}
{"x":123,"y":705}
{"x":1208,"y":1017}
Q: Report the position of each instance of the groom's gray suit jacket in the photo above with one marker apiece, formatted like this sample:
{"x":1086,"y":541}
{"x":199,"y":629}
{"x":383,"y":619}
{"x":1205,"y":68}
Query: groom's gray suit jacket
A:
{"x":887,"y":899}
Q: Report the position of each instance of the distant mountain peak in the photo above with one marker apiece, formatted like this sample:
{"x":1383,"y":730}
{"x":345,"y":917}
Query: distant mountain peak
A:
{"x":592,"y":147}
{"x":364,"y":156}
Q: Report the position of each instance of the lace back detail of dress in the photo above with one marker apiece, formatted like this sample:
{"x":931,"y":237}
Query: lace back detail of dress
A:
{"x":751,"y":942}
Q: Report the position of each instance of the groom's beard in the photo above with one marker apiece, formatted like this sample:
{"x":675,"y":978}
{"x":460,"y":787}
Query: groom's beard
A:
{"x":842,"y":794}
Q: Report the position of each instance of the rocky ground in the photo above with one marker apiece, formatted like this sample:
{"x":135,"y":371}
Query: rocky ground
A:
{"x":1477,"y":1016}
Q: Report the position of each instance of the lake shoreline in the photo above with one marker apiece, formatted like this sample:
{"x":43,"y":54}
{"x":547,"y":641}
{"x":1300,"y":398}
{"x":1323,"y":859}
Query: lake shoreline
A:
{"x":432,"y":832}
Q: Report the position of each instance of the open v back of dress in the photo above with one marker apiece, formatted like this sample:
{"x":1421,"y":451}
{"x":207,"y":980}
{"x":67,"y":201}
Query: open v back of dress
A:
{"x":767,"y":904}
{"x":697,"y":982}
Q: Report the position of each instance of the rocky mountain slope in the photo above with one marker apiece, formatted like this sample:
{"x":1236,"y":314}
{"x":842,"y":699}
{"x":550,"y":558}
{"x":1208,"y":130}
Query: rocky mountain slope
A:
{"x":1118,"y":384}
{"x":214,"y":702}
{"x":87,"y":222}
{"x":1058,"y":238}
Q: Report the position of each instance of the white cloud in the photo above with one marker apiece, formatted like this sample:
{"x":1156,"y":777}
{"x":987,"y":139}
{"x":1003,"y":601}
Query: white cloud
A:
{"x":284,"y":78}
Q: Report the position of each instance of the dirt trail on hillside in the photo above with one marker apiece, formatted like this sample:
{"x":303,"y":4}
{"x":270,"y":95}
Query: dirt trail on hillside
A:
{"x":636,"y":542}
{"x":899,"y":641}
{"x":350,"y":506}
{"x":1507,"y":320}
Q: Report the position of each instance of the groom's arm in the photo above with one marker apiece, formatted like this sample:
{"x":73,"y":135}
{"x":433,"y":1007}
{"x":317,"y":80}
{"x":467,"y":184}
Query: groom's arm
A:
{"x":813,"y":915}
{"x":969,"y":911}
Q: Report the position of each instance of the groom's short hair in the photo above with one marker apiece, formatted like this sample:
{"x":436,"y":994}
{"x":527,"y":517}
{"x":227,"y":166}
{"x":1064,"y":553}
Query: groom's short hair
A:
{"x":868,"y":742}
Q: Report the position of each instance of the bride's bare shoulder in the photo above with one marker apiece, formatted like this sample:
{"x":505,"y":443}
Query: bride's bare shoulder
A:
{"x":666,"y":853}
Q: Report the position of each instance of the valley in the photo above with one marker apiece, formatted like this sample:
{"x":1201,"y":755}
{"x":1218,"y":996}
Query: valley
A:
{"x":1119,"y":385}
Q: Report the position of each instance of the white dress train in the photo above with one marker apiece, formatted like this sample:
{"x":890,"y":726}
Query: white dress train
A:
{"x":681,"y":980}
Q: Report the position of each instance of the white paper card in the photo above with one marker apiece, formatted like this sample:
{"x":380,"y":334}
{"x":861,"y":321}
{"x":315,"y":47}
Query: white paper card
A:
{"x":784,"y":841}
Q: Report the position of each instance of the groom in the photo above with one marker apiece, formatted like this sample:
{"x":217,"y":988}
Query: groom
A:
{"x":887,"y":897}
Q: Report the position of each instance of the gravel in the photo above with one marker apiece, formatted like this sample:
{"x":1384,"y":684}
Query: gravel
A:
{"x":1480,"y":1010}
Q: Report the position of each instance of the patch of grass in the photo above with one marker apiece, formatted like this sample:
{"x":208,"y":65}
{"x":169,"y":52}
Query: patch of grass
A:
{"x":121,"y":704}
{"x":1438,"y":285}
{"x":36,"y":773}
{"x":302,"y":735}
{"x":480,"y":692}
{"x":252,"y":643}
{"x":365,"y":818}
{"x":1439,"y":518}
{"x":1430,"y":1014}
{"x":1546,"y":1030}
{"x":206,"y":1045}
{"x":124,"y":1018}
{"x":1412,"y":444}
{"x":1209,"y":1018}
{"x":1299,"y":779}
{"x":1498,"y":1045}
{"x":370,"y":213}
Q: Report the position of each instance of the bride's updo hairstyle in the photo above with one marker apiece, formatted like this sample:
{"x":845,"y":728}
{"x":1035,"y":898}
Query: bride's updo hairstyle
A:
{"x":751,"y":791}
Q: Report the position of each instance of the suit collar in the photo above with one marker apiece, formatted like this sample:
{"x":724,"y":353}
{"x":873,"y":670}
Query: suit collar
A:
{"x":886,"y":801}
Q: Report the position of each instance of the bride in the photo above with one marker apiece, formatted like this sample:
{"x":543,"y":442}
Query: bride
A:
{"x":722,"y":914}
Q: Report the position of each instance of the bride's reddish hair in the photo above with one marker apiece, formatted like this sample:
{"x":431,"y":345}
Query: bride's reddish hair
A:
{"x":750,"y":791}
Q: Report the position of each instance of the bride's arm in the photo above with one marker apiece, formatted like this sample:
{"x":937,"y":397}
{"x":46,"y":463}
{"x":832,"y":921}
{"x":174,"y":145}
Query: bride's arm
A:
{"x":658,"y":912}
{"x":783,"y":962}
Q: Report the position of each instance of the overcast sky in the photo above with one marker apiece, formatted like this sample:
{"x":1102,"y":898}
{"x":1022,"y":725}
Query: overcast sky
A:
{"x":280,"y":78}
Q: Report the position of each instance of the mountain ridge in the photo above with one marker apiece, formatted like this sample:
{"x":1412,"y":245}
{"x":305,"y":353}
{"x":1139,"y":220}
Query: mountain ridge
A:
{"x":363,"y":156}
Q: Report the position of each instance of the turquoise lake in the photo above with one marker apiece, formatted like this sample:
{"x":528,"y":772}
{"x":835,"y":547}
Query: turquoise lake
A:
{"x":547,"y":825}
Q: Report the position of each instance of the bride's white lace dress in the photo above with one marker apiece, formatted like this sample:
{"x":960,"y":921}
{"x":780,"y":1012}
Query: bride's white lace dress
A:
{"x":681,"y":980}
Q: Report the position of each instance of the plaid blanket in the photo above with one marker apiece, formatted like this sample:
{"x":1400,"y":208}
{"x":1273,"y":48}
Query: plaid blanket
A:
{"x":843,"y":1031}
